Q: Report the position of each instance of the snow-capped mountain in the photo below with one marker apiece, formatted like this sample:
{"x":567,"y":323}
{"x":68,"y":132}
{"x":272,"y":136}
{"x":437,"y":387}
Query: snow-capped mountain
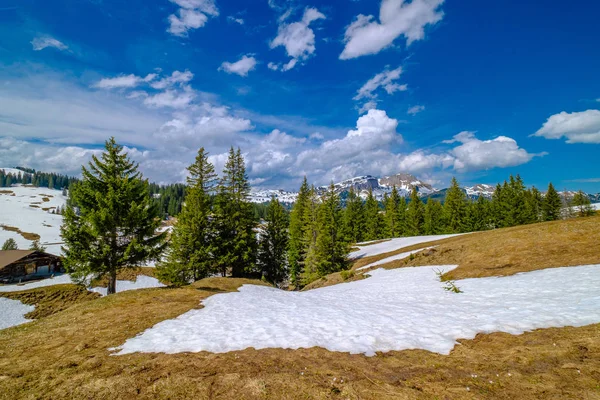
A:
{"x":480,"y":189}
{"x":361,"y":184}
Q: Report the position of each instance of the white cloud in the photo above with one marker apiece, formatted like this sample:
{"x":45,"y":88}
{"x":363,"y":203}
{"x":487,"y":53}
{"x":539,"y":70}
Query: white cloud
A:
{"x":414,"y":110}
{"x":397,"y":18}
{"x":385,"y":80}
{"x":240,"y":67}
{"x":272,"y":66}
{"x":42,"y":42}
{"x":577,"y":127}
{"x":192,"y":14}
{"x":171,"y":98}
{"x":297,"y":38}
{"x":177,"y":77}
{"x":474,"y":154}
{"x":236,"y":20}
{"x":123,"y":81}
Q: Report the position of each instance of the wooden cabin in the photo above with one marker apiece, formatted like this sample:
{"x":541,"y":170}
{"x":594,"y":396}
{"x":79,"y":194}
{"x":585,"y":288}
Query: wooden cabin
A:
{"x":22,"y":265}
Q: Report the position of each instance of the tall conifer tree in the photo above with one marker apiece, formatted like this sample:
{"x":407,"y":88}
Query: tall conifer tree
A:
{"x":235,"y":246}
{"x":354,"y":218}
{"x":272,"y":250}
{"x":374,"y":224}
{"x":415,"y":214}
{"x":297,"y":242}
{"x":311,"y":260}
{"x":394,"y":214}
{"x":455,"y":208}
{"x":191,"y":248}
{"x":115,"y":224}
{"x":433,"y":218}
{"x":552,"y":205}
{"x":332,"y":249}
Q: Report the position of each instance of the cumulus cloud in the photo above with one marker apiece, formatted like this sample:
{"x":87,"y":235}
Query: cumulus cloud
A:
{"x":297,"y":38}
{"x":176,"y":78}
{"x":474,"y":154}
{"x":171,"y":98}
{"x":42,"y":42}
{"x":397,"y":18}
{"x":123,"y":81}
{"x":414,"y":110}
{"x":576,"y":127}
{"x":192,"y":14}
{"x":385,"y":80}
{"x":241,"y":67}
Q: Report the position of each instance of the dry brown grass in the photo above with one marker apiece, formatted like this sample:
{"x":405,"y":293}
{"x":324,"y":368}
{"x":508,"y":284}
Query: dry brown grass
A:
{"x":509,"y":251}
{"x":65,"y":356}
{"x":52,"y":299}
{"x":26,"y":235}
{"x":9,"y":192}
{"x":45,"y":199}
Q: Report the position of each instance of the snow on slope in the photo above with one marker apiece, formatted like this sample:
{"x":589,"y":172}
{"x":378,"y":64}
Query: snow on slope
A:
{"x":23,"y":207}
{"x":142,"y":282}
{"x":399,"y":309}
{"x":400,"y":256}
{"x":13,"y":312}
{"x":394,"y":244}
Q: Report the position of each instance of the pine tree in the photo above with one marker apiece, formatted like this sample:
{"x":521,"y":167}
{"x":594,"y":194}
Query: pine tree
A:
{"x":433,"y":218}
{"x":415,"y":214}
{"x":455,"y":208}
{"x":36,"y":246}
{"x":190,"y":252}
{"x":10,"y":244}
{"x":533,"y":205}
{"x":235,"y":240}
{"x":552,"y":204}
{"x":374,"y":224}
{"x":517,"y":201}
{"x":272,"y":256}
{"x":478,"y":215}
{"x":395,"y":210}
{"x":114,"y":226}
{"x":582,"y":204}
{"x":297,"y":241}
{"x":311,"y":261}
{"x":332,"y":250}
{"x":354,"y":218}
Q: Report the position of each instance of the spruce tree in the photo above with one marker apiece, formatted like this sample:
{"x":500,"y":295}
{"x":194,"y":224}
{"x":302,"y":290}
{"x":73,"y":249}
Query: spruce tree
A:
{"x":455,"y":208}
{"x":582,"y":204}
{"x":374,"y":224}
{"x":332,"y":250}
{"x":297,"y":240}
{"x":415,"y":214}
{"x":354,"y":218}
{"x":517,"y":201}
{"x":533,"y":205}
{"x":115,"y":221}
{"x":433,"y":218}
{"x":478,"y":215}
{"x":235,"y":245}
{"x":191,"y":247}
{"x":311,"y":261}
{"x":552,"y":204}
{"x":394,"y":214}
{"x":272,"y":250}
{"x":36,"y":246}
{"x":10,"y":244}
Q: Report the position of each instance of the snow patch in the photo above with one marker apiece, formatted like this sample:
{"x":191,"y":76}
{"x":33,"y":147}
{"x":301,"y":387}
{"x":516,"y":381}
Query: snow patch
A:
{"x":13,"y":312}
{"x":400,"y":256}
{"x":57,"y":280}
{"x":399,"y":309}
{"x":394,"y":244}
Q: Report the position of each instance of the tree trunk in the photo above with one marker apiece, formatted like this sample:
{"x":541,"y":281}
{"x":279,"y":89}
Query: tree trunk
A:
{"x":112,"y":283}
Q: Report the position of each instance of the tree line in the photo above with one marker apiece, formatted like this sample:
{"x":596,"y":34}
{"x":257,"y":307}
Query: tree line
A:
{"x":111,"y":222}
{"x":35,"y":178}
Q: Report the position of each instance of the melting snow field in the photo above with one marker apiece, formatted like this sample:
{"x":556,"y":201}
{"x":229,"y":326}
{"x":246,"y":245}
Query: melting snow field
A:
{"x":25,"y":211}
{"x":400,"y":256}
{"x":13,"y":312}
{"x":57,"y":280}
{"x":394,"y":244}
{"x":397,"y":309}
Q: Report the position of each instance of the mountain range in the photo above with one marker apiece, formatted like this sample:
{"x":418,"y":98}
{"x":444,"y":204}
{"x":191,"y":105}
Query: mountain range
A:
{"x":380,"y":186}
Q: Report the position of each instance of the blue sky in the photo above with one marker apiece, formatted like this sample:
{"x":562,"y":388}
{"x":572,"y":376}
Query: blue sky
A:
{"x":327,"y":89}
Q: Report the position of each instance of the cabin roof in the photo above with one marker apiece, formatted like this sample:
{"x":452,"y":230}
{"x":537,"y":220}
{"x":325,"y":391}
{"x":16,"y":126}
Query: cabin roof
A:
{"x":8,"y":257}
